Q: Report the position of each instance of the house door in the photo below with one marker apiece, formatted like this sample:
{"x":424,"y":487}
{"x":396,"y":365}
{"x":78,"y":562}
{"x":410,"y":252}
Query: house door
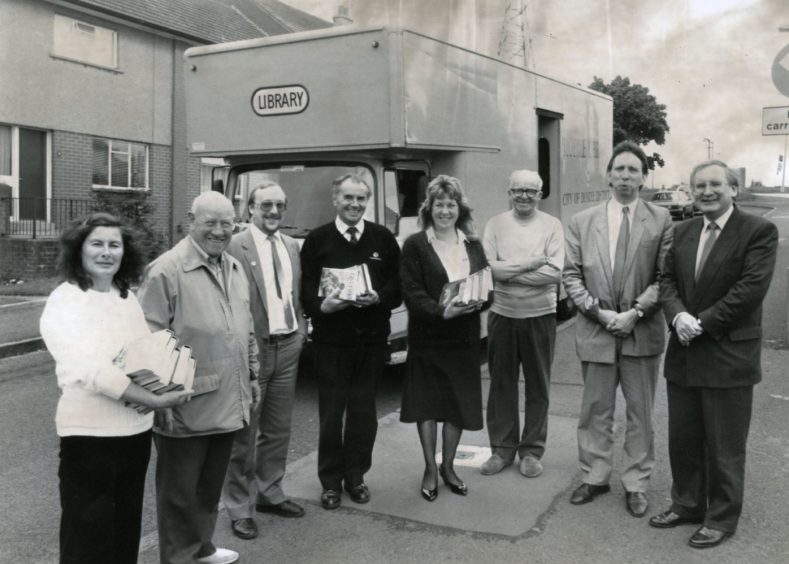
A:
{"x":32,"y":174}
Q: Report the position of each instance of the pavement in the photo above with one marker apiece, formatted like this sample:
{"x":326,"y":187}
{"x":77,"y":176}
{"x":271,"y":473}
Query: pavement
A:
{"x":19,"y":317}
{"x":505,"y":518}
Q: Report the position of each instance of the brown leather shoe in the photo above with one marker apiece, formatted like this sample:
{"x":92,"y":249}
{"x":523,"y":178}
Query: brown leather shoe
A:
{"x":285,"y":509}
{"x":244,"y":528}
{"x":587,"y":492}
{"x":705,"y":537}
{"x":669,"y":520}
{"x":636,"y":503}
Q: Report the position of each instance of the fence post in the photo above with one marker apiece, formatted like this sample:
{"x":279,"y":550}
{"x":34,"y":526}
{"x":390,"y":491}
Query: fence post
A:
{"x":35,"y":214}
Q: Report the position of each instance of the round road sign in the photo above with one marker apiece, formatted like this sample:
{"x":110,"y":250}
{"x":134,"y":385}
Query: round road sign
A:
{"x":781,"y":71}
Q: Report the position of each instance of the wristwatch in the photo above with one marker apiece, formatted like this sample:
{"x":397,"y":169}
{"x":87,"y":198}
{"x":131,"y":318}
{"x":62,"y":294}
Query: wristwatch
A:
{"x":639,"y":311}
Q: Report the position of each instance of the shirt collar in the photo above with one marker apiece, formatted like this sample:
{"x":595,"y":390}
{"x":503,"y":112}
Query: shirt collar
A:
{"x":721,"y":221}
{"x":204,"y":255}
{"x":431,"y":235}
{"x":258,"y":234}
{"x":342,"y":227}
{"x":615,"y":206}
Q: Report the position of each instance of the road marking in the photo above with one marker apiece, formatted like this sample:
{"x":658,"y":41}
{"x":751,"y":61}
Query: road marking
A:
{"x":779,"y":216}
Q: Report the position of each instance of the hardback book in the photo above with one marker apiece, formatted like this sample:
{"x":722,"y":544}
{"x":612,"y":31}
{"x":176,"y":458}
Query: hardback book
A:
{"x":472,"y":289}
{"x":353,"y":282}
{"x":157,"y":364}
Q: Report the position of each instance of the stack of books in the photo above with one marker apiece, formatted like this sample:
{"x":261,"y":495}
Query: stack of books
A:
{"x":472,"y":289}
{"x":353,"y":282}
{"x":158,"y":365}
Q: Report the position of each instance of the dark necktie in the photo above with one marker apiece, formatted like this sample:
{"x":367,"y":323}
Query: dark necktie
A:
{"x":620,"y":256}
{"x":279,"y":281}
{"x":352,"y":231}
{"x":712,"y":236}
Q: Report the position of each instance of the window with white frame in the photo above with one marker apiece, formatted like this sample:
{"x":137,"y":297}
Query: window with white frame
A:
{"x":119,"y":164}
{"x":84,"y":42}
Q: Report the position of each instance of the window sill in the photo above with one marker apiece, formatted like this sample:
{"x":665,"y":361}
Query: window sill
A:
{"x":99,"y":188}
{"x":112,"y":70}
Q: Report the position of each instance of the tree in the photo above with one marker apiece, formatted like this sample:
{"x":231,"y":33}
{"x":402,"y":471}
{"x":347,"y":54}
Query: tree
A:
{"x":637,"y":115}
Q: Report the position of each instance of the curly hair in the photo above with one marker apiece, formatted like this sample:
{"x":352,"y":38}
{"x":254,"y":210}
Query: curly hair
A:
{"x":448,"y":186}
{"x":70,"y":258}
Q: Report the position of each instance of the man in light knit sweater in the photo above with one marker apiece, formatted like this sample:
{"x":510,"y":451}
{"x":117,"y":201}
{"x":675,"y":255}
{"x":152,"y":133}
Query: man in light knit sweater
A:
{"x":525,"y":249}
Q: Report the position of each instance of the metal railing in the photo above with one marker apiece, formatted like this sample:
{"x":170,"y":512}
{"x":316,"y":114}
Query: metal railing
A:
{"x":40,"y":217}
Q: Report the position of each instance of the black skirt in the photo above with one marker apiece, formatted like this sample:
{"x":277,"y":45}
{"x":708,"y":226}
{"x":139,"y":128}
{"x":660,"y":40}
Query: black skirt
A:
{"x":443,"y":384}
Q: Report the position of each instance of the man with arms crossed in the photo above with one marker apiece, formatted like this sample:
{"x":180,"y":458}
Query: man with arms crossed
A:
{"x":716,"y":276}
{"x":349,"y":337}
{"x":271,"y":262}
{"x":200,"y":293}
{"x":615,"y":251}
{"x":525,"y":249}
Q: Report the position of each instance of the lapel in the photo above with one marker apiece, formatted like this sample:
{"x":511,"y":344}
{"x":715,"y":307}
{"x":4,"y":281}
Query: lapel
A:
{"x":686,"y":256}
{"x":600,"y":222}
{"x":723,"y":247}
{"x":252,"y":258}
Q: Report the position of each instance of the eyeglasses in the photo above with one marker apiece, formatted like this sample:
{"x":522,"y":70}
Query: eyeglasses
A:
{"x":531,"y":193}
{"x":268,"y":206}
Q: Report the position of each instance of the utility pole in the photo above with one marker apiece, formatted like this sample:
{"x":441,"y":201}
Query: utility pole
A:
{"x":709,"y":148}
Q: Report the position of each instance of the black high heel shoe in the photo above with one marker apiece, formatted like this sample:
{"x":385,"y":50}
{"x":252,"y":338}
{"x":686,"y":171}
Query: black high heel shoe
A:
{"x":459,"y":489}
{"x":430,"y":495}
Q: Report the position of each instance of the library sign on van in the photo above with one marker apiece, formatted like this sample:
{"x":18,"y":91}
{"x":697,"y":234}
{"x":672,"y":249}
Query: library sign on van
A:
{"x":279,"y":100}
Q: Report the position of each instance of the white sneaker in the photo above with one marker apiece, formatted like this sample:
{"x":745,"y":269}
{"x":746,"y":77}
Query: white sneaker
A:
{"x":221,"y":556}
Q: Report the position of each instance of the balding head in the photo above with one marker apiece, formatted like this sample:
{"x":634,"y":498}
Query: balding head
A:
{"x":525,"y":192}
{"x":525,"y":179}
{"x":211,"y":201}
{"x":212,"y":216}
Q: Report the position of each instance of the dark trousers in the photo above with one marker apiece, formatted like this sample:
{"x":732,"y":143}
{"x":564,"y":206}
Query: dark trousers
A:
{"x":189,"y":476}
{"x":102,"y":480}
{"x":347,"y":378}
{"x":707,"y":435}
{"x":512,"y":344}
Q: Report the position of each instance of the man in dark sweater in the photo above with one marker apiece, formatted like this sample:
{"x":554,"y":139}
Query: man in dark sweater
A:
{"x":349,"y":337}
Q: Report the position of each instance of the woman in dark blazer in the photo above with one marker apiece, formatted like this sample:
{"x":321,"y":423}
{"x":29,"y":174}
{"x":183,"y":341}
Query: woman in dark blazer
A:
{"x":442,"y":380}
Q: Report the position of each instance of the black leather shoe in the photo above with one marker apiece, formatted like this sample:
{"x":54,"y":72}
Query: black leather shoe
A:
{"x":430,"y":494}
{"x":460,"y":489}
{"x":669,"y":520}
{"x":636,"y":503}
{"x":587,"y":492}
{"x":244,"y":528}
{"x":330,"y":499}
{"x":285,"y":509}
{"x":707,"y":538}
{"x":359,"y":493}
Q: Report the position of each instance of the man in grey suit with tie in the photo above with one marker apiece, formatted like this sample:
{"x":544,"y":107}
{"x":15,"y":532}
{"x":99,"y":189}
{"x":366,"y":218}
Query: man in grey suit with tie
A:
{"x":614,"y":255}
{"x":716,"y":276}
{"x":271,"y":262}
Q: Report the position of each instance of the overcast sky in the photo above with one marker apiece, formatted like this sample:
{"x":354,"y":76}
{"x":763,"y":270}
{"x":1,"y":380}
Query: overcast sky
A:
{"x":708,"y":61}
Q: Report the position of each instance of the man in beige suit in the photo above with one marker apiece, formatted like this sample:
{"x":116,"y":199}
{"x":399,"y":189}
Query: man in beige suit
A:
{"x":271,"y":262}
{"x":614,"y":256}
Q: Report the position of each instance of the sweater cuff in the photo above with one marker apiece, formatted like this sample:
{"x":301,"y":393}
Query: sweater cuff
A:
{"x":114,"y":383}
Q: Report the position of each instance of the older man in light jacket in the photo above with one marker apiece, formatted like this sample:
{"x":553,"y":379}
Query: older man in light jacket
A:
{"x":200,"y":292}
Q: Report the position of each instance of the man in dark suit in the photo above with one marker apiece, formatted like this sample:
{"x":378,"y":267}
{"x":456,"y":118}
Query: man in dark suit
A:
{"x":716,"y":276}
{"x":349,"y":337}
{"x":270,"y":260}
{"x":614,"y":254}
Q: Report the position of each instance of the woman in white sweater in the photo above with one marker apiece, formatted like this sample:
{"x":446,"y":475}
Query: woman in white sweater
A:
{"x":104,"y":444}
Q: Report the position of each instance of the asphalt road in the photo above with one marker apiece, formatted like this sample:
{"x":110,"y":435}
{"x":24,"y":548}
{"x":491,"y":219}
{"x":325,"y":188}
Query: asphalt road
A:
{"x":599,"y":532}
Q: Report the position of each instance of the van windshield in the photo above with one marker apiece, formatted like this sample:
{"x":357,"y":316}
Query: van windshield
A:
{"x":308,"y":188}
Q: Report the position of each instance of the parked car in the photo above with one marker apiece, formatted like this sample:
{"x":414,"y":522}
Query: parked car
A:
{"x":677,"y":202}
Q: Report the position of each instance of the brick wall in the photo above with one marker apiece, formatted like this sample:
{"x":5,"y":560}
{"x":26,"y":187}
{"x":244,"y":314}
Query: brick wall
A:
{"x":27,"y":259}
{"x":72,"y":174}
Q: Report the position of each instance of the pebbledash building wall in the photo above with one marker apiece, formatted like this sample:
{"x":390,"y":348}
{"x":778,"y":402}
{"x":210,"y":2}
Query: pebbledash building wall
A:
{"x":91,"y":101}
